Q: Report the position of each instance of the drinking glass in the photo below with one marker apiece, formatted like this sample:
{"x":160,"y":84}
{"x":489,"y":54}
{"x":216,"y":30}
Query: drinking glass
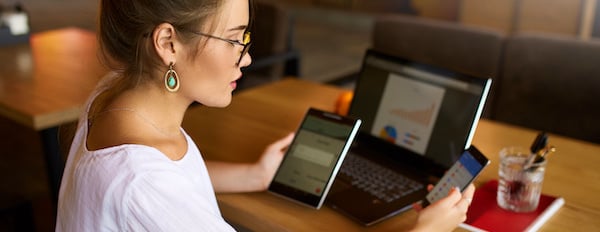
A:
{"x":519,"y":187}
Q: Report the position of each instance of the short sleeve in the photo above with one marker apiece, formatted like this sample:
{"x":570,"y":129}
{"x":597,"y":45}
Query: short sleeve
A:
{"x":166,"y":201}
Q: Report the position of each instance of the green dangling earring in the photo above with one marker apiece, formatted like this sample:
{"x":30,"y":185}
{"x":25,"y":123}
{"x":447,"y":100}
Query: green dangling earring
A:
{"x":171,"y":79}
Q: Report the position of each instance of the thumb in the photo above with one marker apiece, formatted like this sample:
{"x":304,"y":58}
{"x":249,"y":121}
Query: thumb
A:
{"x":283,"y":142}
{"x":453,"y":197}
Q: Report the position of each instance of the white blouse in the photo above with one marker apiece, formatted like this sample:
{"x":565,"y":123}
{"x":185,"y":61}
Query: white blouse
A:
{"x":135,"y":188}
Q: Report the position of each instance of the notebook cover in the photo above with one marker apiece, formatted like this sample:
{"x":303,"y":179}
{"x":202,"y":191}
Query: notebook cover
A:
{"x":484,"y":214}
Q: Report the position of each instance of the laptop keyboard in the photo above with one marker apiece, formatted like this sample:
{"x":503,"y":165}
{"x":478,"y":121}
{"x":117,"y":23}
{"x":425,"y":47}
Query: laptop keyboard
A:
{"x":377,"y":180}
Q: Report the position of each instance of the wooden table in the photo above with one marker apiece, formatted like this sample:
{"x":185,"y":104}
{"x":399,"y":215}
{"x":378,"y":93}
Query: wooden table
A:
{"x":45,"y":83}
{"x":259,"y":116}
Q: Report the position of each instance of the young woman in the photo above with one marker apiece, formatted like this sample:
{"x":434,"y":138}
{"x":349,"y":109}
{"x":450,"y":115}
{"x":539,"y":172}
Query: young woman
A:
{"x":131,"y":166}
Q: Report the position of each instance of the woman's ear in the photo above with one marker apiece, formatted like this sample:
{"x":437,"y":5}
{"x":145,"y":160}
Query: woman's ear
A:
{"x":163,"y":38}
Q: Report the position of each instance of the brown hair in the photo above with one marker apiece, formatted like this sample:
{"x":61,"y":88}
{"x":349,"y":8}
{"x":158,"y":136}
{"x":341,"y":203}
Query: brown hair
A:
{"x":125,"y":26}
{"x":125,"y":32}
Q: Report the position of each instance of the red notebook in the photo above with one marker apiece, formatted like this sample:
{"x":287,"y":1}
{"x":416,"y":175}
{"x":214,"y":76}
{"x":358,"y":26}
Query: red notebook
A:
{"x":485,"y":215}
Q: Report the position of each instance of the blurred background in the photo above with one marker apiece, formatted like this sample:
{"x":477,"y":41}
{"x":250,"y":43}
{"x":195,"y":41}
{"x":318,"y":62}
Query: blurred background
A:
{"x":317,"y":40}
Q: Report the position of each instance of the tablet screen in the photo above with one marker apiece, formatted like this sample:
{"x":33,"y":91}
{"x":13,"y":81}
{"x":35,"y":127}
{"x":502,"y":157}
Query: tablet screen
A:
{"x":314,"y":157}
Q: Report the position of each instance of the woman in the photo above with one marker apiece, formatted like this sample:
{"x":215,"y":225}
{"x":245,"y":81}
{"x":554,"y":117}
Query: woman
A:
{"x":131,"y":166}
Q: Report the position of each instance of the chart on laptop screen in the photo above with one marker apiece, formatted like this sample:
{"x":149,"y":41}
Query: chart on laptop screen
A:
{"x":407,"y":112}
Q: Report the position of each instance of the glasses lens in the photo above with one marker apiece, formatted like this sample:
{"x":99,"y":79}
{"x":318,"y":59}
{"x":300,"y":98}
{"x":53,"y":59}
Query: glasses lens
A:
{"x":246,"y":38}
{"x":246,"y":47}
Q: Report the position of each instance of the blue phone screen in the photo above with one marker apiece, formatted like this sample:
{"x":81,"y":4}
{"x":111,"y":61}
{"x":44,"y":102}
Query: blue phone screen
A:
{"x":459,"y":175}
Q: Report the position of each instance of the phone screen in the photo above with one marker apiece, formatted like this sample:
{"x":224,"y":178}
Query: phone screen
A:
{"x":461,"y":174}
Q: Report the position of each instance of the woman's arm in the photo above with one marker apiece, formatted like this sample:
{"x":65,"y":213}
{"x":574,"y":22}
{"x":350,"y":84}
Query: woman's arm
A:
{"x":248,"y":177}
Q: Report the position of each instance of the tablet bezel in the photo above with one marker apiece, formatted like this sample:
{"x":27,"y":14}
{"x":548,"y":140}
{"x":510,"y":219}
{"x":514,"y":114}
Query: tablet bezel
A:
{"x":300,"y":196}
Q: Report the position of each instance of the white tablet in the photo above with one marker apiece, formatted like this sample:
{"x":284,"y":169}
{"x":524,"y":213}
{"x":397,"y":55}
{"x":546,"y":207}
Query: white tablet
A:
{"x":314,"y":157}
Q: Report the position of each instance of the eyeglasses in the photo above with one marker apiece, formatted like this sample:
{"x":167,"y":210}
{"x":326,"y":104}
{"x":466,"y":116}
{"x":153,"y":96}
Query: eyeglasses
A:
{"x":245,"y":44}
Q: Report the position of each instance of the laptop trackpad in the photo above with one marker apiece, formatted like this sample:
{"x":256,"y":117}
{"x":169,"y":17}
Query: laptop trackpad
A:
{"x":339,"y":186}
{"x":364,"y":208}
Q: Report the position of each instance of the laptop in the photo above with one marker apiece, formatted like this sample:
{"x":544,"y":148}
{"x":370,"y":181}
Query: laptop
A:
{"x":417,"y":120}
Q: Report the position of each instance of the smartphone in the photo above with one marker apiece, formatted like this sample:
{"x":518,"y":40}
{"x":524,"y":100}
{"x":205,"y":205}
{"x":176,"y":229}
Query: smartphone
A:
{"x":314,"y":157}
{"x":470,"y":163}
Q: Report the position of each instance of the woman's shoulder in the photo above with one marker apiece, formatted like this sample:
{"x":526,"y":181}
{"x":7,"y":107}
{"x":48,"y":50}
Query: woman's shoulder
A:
{"x":117,"y":170}
{"x":115,"y":128}
{"x":130,"y":180}
{"x":126,"y":158}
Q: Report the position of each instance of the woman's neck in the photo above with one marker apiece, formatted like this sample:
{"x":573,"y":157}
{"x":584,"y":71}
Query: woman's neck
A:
{"x":163,"y":109}
{"x":144,"y":116}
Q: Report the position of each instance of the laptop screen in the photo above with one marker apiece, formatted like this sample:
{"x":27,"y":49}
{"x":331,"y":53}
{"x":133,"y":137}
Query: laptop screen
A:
{"x":427,"y":110}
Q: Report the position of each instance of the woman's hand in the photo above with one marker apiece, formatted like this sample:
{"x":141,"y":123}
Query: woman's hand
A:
{"x":272,"y":157}
{"x":447,"y":213}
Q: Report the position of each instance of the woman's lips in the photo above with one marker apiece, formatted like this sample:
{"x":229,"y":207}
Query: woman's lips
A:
{"x":233,"y":84}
